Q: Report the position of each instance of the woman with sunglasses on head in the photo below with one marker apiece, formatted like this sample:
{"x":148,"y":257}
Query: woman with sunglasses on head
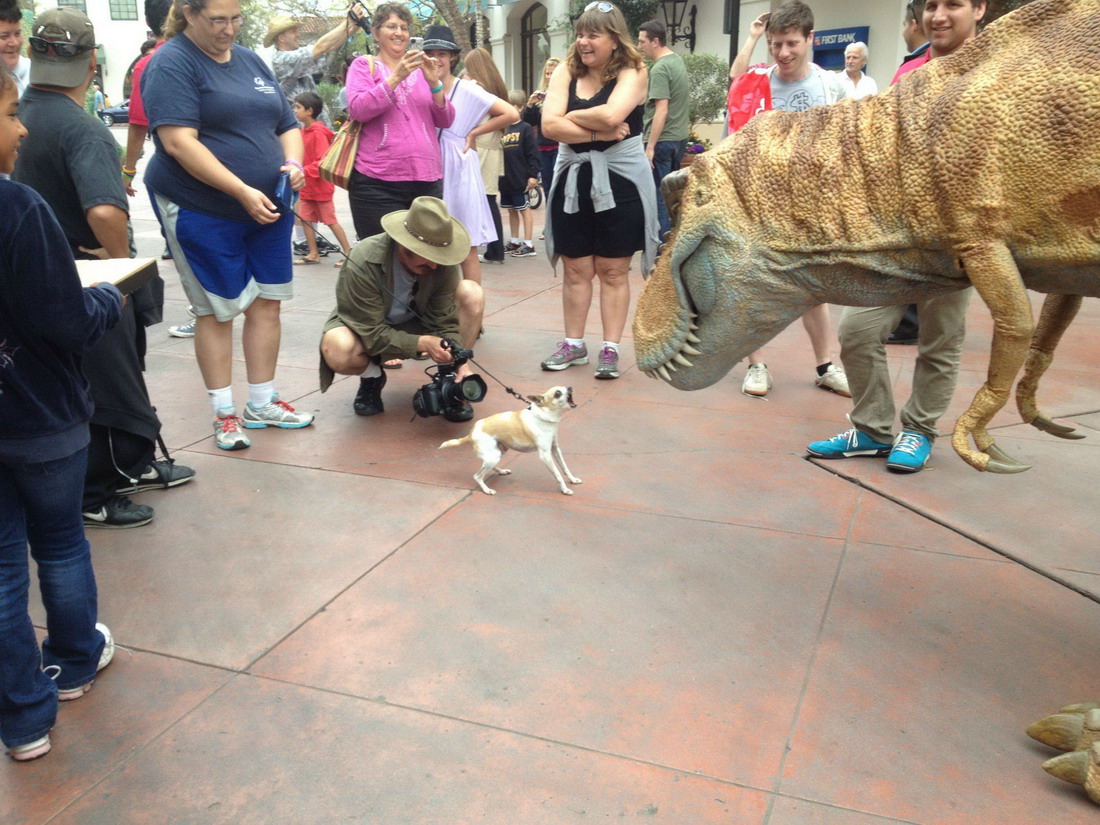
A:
{"x":399,"y":98}
{"x":227,"y":143}
{"x":601,"y":209}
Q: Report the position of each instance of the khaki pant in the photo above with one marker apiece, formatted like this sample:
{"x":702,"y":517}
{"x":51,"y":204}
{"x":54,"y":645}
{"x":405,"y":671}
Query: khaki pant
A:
{"x":863,"y":333}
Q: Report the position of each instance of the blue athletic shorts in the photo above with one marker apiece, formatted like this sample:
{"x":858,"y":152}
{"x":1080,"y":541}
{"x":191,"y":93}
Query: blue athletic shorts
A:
{"x":225,"y":265}
{"x":513,"y":200}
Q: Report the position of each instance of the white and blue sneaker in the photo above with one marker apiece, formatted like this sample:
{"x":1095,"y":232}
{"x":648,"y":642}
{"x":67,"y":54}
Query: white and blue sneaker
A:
{"x":848,"y":444}
{"x":910,"y":452}
{"x":274,"y":413}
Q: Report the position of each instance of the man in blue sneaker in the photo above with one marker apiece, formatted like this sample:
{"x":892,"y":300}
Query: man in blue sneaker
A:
{"x":864,"y":330}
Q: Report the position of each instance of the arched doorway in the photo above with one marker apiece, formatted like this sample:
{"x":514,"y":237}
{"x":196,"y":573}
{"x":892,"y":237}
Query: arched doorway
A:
{"x":535,"y":45}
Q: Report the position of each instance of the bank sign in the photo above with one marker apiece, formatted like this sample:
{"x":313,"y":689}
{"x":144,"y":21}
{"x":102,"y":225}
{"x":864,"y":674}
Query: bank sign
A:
{"x":840,"y":38}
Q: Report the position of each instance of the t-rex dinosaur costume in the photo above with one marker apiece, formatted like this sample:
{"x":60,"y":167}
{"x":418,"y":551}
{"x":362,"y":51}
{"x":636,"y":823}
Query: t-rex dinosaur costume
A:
{"x":980,"y":168}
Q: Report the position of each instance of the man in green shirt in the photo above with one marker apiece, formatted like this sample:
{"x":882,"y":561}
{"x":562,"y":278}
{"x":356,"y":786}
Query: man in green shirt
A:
{"x":666,"y":123}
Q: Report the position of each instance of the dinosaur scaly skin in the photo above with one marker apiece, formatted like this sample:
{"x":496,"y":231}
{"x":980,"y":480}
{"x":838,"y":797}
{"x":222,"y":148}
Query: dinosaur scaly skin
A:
{"x":980,"y":168}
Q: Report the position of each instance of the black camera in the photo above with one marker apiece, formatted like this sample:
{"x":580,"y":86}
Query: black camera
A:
{"x":359,"y":17}
{"x":444,"y":392}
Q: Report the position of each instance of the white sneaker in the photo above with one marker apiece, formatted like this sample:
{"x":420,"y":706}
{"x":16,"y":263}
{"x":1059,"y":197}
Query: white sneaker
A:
{"x":275,"y":413}
{"x":228,"y":434}
{"x":757,"y":381}
{"x":104,"y":659}
{"x":834,"y":380}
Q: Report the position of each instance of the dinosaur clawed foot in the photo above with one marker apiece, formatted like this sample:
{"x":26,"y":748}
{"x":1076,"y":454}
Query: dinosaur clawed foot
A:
{"x":1075,"y":729}
{"x":1043,"y":423}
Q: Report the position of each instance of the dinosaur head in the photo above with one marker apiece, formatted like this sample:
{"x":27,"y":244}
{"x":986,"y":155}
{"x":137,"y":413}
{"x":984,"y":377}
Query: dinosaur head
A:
{"x":710,"y":300}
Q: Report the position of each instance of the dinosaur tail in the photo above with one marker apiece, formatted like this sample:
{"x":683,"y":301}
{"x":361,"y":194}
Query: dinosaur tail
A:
{"x":455,"y":442}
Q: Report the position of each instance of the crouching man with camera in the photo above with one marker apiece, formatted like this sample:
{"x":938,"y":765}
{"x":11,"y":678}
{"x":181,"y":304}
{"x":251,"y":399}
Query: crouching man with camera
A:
{"x":401,"y":293}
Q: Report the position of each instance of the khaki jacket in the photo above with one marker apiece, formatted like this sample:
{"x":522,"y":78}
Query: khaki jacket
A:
{"x":364,"y":293}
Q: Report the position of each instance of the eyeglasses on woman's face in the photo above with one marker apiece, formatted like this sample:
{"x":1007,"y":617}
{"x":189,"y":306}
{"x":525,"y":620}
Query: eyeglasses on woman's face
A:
{"x":222,"y":23}
{"x":605,"y":8}
{"x":394,"y":27}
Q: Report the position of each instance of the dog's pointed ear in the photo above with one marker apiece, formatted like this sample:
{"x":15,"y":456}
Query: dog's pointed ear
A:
{"x":534,"y":398}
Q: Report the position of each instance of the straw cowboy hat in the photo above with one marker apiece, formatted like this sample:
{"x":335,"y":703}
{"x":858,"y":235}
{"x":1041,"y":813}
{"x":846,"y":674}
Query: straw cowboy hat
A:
{"x":277,"y":26}
{"x":427,"y":229}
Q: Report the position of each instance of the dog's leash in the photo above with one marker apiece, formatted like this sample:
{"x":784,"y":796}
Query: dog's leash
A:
{"x":415,"y":314}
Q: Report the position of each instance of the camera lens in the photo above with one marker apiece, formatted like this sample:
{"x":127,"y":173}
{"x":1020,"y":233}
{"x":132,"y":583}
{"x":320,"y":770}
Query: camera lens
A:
{"x":472,"y":388}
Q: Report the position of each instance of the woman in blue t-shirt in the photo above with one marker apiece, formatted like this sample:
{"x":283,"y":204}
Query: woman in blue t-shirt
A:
{"x":225,"y":138}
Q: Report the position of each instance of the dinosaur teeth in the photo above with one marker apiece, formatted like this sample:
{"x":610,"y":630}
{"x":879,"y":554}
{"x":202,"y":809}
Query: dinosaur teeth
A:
{"x":693,"y":327}
{"x":690,"y":350}
{"x":670,"y":365}
{"x":679,"y":359}
{"x":661,"y":371}
{"x":693,"y":339}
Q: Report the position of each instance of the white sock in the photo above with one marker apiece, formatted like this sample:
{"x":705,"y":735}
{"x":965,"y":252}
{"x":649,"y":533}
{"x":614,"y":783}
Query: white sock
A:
{"x":221,"y":400}
{"x":575,"y":342}
{"x":515,"y":239}
{"x":299,"y":234}
{"x":260,"y":395}
{"x":373,"y":371}
{"x":529,"y":242}
{"x":611,"y":345}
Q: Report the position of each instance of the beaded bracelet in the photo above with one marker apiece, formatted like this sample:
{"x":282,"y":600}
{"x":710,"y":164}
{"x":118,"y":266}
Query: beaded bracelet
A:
{"x":438,"y":88}
{"x":301,"y":168}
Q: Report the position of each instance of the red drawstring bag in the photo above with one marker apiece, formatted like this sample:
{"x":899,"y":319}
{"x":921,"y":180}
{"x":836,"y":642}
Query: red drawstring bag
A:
{"x":749,"y":93}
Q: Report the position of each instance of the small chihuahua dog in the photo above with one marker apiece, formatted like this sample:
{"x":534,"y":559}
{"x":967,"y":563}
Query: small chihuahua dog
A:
{"x":535,"y":428}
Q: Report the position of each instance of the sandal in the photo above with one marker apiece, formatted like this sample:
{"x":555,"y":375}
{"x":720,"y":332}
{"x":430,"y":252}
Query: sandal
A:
{"x":304,"y":261}
{"x":392,"y":364}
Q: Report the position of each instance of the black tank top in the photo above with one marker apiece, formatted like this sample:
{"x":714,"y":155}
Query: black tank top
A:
{"x":633,"y":120}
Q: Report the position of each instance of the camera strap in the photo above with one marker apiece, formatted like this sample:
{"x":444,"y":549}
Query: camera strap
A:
{"x":415,"y":314}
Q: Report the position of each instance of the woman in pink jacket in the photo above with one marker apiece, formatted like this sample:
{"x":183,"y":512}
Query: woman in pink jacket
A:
{"x":399,"y":99}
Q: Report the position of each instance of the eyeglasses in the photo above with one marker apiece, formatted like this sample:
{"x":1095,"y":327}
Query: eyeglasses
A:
{"x":393,"y":27}
{"x":601,"y":7}
{"x":61,"y":48}
{"x":224,"y":22}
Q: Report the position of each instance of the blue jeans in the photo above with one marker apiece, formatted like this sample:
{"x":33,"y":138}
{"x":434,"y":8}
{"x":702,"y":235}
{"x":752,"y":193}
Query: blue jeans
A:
{"x":667,"y":155}
{"x":40,"y":504}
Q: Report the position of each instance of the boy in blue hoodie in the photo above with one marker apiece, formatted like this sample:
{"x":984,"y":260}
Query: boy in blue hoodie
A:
{"x":47,"y":320}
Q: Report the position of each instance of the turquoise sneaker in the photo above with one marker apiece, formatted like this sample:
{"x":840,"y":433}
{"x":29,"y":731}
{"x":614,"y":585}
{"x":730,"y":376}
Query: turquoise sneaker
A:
{"x":910,"y":452}
{"x":849,"y":444}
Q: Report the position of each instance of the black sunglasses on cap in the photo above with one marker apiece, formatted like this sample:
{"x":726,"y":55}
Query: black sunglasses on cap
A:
{"x":61,"y":48}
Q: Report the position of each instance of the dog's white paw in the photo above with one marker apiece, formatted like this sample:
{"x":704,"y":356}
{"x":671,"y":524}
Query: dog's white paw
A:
{"x":576,"y":480}
{"x":505,"y":472}
{"x":567,"y":491}
{"x":489,"y":491}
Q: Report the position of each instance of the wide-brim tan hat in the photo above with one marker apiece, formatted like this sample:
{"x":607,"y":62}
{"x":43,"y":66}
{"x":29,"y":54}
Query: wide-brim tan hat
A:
{"x":427,"y":229}
{"x":277,"y":26}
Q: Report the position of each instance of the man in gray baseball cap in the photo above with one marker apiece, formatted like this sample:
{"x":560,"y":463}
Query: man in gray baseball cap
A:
{"x":62,"y":48}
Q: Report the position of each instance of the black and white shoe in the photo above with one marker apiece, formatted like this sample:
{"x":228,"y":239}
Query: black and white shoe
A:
{"x":159,"y":476}
{"x":119,"y":513}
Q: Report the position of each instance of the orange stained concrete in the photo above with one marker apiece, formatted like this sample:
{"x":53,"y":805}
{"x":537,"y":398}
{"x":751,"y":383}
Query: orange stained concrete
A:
{"x":336,"y":625}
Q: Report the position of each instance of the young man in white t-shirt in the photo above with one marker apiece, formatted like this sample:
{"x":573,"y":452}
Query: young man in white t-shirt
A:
{"x":796,"y":84}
